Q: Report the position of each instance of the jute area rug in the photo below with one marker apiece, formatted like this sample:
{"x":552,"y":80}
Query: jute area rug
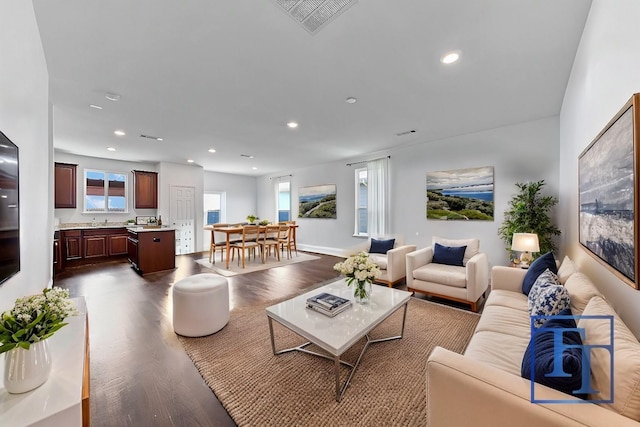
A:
{"x":254,"y":265}
{"x":296,"y":389}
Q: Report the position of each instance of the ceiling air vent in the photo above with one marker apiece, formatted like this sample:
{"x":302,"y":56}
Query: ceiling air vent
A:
{"x":155,"y":138}
{"x":314,"y":14}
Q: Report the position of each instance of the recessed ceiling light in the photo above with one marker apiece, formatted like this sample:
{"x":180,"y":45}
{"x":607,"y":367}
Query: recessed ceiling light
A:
{"x":119,"y":132}
{"x":450,"y":58}
{"x":351,"y":100}
{"x":292,"y":125}
{"x":254,"y":168}
{"x":212,"y":150}
{"x":112,"y":97}
{"x":97,"y":107}
{"x":111,"y":149}
{"x":159,"y":139}
{"x":190,"y":161}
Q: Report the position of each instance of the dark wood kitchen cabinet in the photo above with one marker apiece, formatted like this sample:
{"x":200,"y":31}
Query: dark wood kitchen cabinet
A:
{"x":72,"y":244}
{"x":152,"y":250}
{"x":104,"y":242}
{"x":88,"y":245}
{"x":95,"y":243}
{"x":118,"y":245}
{"x":65,"y":185}
{"x":145,"y":189}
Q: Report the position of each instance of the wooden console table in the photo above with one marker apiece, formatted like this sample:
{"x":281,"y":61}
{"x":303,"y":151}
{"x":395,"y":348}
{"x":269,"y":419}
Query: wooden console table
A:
{"x":64,"y":399}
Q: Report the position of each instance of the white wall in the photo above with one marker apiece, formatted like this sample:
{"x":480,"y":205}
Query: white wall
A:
{"x":25,"y":119}
{"x":240,"y":193}
{"x":605,"y":74}
{"x":518,"y":153}
{"x":84,"y":162}
{"x":240,"y":198}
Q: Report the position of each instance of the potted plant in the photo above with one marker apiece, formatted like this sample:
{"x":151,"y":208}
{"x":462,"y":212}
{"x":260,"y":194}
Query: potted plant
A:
{"x":251,"y":218}
{"x":529,"y":212}
{"x":24,"y":331}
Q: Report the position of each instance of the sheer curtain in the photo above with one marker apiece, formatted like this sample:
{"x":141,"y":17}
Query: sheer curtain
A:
{"x":378,"y":197}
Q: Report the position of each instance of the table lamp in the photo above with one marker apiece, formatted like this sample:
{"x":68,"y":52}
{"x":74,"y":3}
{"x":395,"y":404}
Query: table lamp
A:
{"x":525,"y":243}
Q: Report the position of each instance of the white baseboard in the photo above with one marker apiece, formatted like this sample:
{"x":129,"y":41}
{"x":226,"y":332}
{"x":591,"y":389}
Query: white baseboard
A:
{"x":324,"y":250}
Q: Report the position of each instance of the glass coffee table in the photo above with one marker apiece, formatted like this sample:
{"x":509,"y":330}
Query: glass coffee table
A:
{"x":335,"y":335}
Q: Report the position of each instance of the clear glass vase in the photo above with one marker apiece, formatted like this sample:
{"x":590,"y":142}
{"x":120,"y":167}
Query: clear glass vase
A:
{"x":25,"y":370}
{"x":362,"y":292}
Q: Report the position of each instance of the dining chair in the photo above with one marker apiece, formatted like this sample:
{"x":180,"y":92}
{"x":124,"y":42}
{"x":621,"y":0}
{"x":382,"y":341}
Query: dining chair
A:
{"x":293,"y":245}
{"x":249,"y":242}
{"x":220,"y":243}
{"x":268,"y":240}
{"x":284,"y":239}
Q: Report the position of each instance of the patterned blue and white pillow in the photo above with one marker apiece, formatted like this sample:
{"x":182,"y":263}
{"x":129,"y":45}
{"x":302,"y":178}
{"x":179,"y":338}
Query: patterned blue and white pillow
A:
{"x":546,"y":278}
{"x":547,"y":297}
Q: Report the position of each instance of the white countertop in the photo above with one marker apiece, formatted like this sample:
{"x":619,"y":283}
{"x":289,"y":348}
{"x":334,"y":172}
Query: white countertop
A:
{"x":141,"y":229}
{"x":91,"y":227}
{"x":136,"y":228}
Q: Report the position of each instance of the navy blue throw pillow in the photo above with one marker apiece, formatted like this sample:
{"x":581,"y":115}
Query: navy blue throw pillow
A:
{"x":536,"y":268}
{"x":541,"y":347}
{"x":381,"y":246}
{"x":449,"y":255}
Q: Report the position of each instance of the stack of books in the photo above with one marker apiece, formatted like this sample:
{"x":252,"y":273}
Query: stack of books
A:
{"x":327,"y":304}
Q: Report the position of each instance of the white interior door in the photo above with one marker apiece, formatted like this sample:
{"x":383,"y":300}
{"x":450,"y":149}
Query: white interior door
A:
{"x":183,"y":218}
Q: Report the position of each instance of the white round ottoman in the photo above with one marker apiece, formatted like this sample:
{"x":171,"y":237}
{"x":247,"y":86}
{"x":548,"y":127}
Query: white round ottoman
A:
{"x":200,"y":305}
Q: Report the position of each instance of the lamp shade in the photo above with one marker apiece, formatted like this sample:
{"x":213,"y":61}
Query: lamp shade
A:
{"x":525,"y":242}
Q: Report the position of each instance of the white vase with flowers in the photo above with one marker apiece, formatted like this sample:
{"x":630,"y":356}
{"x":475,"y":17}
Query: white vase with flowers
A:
{"x":360,"y":271}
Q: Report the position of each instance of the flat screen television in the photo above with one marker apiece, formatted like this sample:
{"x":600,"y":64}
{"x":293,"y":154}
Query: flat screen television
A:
{"x":9,"y":210}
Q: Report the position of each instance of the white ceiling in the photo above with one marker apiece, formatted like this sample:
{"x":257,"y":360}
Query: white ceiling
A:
{"x":229,"y":75}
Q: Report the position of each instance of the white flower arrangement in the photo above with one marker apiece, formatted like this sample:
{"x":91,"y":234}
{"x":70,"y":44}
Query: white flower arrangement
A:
{"x":35,"y":318}
{"x":360,"y":269}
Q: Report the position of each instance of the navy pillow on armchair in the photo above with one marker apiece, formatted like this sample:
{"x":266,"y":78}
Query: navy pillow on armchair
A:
{"x":536,"y":268}
{"x":449,"y":255}
{"x":381,"y":246}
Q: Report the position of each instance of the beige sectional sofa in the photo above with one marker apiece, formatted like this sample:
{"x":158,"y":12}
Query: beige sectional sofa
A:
{"x":484,"y":386}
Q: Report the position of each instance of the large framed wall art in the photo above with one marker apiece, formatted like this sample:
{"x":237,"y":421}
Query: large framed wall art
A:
{"x":318,"y":201}
{"x":608,"y":194}
{"x":461,"y":194}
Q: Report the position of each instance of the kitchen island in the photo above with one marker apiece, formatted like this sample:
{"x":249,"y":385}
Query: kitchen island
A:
{"x":151,"y":249}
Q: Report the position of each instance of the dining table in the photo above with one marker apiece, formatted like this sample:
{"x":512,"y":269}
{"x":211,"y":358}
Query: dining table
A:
{"x":233,"y":230}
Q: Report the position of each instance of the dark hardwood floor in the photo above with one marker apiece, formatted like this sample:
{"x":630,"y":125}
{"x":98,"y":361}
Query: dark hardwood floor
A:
{"x":140,"y":374}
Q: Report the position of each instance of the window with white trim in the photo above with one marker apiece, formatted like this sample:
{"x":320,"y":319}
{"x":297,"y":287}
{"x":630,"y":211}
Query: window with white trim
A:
{"x":105,"y":192}
{"x":361,"y":227}
{"x":284,"y":201}
{"x":213,"y":208}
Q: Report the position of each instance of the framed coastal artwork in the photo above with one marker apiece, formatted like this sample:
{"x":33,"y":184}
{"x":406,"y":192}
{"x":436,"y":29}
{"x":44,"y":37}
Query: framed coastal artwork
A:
{"x":608,"y":194}
{"x":460,"y":194}
{"x":318,"y":201}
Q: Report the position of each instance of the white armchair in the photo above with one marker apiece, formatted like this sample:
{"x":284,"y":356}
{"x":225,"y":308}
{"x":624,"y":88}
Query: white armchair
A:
{"x":464,"y":284}
{"x":393,"y":263}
